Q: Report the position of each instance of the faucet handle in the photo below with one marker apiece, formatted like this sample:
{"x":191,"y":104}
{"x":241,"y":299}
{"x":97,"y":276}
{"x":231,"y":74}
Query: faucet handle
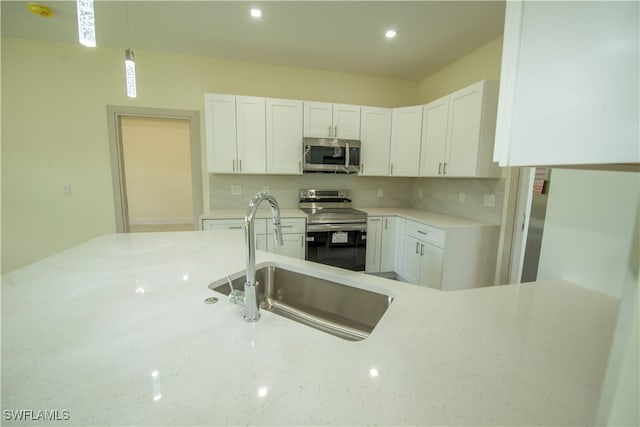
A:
{"x":236,"y":297}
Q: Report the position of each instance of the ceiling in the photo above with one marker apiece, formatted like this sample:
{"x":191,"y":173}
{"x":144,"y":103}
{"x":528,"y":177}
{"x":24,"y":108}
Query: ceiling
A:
{"x":345,"y":36}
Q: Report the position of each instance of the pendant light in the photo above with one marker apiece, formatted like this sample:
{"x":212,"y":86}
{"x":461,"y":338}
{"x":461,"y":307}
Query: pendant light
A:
{"x":86,"y":23}
{"x":129,"y":65}
{"x":130,"y":73}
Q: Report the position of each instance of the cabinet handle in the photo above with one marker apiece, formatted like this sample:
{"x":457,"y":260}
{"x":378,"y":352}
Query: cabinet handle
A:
{"x":440,"y":168}
{"x":233,"y":165}
{"x":335,"y":131}
{"x":235,"y":228}
{"x":422,"y":232}
{"x":299,"y":166}
{"x":240,"y":161}
{"x":374,"y":219}
{"x":361,"y":168}
{"x":444,"y":169}
{"x":391,"y":169}
{"x":329,"y":131}
{"x":286,"y":226}
{"x":421,"y":250}
{"x":386,"y":223}
{"x":417,"y":245}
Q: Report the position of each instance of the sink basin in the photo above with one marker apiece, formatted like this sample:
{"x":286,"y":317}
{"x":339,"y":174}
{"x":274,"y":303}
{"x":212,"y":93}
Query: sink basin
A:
{"x":341,"y":310}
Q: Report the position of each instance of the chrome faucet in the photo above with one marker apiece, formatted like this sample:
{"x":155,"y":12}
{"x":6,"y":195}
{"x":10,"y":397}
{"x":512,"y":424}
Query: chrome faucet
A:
{"x":251,"y":306}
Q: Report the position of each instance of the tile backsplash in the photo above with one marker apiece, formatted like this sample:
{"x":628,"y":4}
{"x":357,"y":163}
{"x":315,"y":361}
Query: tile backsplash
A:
{"x":440,"y":195}
{"x":443,"y":195}
{"x":396,"y":192}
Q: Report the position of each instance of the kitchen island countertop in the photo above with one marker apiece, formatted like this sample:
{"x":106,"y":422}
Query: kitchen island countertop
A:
{"x":116,"y":331}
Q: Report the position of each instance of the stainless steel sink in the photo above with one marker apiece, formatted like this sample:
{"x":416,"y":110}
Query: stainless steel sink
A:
{"x":341,"y":310}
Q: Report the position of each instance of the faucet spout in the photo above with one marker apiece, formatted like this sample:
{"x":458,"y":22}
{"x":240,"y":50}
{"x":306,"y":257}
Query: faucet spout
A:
{"x":252,"y":309}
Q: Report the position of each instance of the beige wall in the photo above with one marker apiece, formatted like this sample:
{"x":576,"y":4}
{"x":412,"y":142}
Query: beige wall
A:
{"x":157,"y":163}
{"x":483,"y":63}
{"x":54,"y":127}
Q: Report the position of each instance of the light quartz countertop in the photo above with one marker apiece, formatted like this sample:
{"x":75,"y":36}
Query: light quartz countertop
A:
{"x":263,"y":212}
{"x":116,"y":332}
{"x":432,"y":218}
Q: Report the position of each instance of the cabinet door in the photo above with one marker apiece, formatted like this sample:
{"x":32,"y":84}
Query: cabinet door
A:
{"x":293,"y":245}
{"x":434,"y":137}
{"x":251,"y":134}
{"x":375,"y":134}
{"x":406,"y":129}
{"x":569,"y":84}
{"x":411,"y":263}
{"x":318,"y":119}
{"x":284,"y":136}
{"x":374,"y":238}
{"x":389,"y":244}
{"x":262,"y":242}
{"x":430,"y":266}
{"x":220,"y":127}
{"x":465,"y":113}
{"x":346,"y":121}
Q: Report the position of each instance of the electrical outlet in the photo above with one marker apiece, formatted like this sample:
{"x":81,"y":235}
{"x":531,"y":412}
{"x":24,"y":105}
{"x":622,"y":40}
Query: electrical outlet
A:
{"x":266,"y":189}
{"x":66,"y":190}
{"x":461,"y":198}
{"x":236,"y":190}
{"x":380,"y":192}
{"x":489,"y":200}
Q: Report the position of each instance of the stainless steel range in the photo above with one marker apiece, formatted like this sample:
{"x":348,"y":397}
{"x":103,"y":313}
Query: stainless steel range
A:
{"x":336,"y":233}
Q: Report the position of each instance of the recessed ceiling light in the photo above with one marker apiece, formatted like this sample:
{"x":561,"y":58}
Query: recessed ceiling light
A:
{"x":390,"y":34}
{"x":256,"y":13}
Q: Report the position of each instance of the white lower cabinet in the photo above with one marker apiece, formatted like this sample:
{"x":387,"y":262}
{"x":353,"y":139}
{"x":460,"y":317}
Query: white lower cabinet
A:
{"x":390,"y":253}
{"x":237,"y":225}
{"x":293,"y":234}
{"x":458,"y":258}
{"x":293,"y":237}
{"x":374,"y":239}
{"x":423,"y":254}
{"x":383,"y":254}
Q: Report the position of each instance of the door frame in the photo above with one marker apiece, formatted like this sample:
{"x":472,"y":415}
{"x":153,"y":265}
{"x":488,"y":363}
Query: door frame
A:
{"x":114,"y":114}
{"x":515,"y":224}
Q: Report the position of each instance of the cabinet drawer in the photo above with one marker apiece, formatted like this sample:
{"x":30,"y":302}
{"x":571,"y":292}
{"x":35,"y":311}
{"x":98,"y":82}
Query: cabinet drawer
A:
{"x":233,"y":224}
{"x":288,"y":225}
{"x":426,"y":233}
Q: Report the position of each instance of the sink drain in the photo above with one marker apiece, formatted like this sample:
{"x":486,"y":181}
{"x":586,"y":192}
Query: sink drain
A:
{"x":211,"y":300}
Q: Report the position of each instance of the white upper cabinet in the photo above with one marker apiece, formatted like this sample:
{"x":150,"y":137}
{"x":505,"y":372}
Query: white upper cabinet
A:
{"x":284,"y":136}
{"x":346,"y":121}
{"x":434,"y":137}
{"x":220,"y":126}
{"x":375,"y":135}
{"x":569,"y":84}
{"x":406,"y":126}
{"x":325,"y":120}
{"x":458,"y":133}
{"x":250,"y":134}
{"x":235,"y":134}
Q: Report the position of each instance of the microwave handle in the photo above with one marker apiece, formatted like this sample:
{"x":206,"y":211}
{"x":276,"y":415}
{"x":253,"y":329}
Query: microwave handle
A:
{"x":346,"y":156}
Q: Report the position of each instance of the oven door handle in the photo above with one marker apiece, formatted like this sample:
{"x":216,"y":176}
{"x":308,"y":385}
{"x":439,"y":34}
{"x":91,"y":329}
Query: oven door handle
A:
{"x":336,"y":227}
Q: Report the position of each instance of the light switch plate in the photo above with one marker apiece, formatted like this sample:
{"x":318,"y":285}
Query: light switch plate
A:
{"x":236,"y":190}
{"x":380,"y":192}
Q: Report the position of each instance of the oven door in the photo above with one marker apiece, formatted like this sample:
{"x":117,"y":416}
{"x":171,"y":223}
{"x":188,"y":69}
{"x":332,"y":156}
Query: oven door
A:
{"x":339,"y":245}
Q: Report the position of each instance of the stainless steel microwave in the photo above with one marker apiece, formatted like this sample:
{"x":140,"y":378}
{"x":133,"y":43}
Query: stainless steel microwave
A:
{"x":331,"y":155}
